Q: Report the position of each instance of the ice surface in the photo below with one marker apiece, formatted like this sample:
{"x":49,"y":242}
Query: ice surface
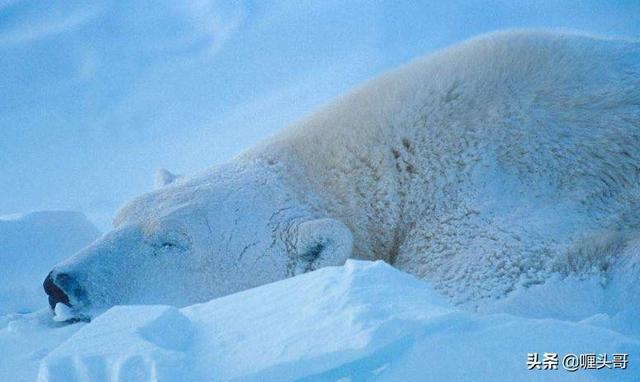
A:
{"x":361,"y":321}
{"x":30,"y":245}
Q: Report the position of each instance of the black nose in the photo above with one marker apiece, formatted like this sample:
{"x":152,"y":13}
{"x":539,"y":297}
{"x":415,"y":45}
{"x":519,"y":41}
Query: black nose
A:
{"x":51,"y":288}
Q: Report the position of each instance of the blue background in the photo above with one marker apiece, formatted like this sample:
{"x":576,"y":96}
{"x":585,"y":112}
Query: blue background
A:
{"x":95,"y":96}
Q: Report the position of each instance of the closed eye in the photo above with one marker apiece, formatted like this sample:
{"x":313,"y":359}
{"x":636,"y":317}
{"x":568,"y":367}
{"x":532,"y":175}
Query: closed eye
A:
{"x":171,"y":245}
{"x":168,"y":241}
{"x":168,"y":247}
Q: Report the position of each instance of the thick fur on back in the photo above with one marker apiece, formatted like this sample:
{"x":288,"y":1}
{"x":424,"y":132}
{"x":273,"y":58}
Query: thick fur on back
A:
{"x":487,"y":165}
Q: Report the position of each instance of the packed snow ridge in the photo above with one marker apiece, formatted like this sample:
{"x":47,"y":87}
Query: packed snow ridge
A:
{"x":361,"y":321}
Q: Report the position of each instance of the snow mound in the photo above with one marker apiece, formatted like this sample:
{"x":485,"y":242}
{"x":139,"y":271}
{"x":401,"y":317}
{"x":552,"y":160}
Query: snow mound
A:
{"x":361,"y":321}
{"x":128,"y":343}
{"x":25,"y":339}
{"x":30,"y":245}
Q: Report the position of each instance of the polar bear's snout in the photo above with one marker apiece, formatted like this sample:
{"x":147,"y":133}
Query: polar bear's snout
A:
{"x":61,"y":288}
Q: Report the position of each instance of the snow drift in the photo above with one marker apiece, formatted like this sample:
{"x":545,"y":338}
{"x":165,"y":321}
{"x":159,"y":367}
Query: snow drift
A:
{"x":361,"y":321}
{"x":30,"y":244}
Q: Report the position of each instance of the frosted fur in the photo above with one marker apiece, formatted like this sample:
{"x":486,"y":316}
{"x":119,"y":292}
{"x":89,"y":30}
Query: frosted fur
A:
{"x":234,"y":228}
{"x":164,"y":177}
{"x":487,"y":166}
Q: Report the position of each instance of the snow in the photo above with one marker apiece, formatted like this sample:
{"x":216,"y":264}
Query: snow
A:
{"x":559,"y":288}
{"x":30,"y":245}
{"x":130,"y":344}
{"x":63,"y":313}
{"x":360,"y":321}
{"x":27,"y":338}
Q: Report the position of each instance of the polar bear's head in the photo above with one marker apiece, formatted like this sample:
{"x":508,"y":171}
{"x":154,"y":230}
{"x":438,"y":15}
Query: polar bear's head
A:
{"x":233,"y":228}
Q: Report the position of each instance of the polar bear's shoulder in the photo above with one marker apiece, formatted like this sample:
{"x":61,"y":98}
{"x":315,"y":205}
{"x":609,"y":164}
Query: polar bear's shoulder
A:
{"x":520,"y":46}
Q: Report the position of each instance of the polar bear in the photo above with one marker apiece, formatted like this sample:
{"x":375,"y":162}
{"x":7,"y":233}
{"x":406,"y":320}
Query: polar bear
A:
{"x":484,"y":167}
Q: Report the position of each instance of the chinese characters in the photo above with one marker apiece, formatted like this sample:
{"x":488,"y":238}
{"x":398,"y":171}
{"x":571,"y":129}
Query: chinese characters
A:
{"x":573,"y":362}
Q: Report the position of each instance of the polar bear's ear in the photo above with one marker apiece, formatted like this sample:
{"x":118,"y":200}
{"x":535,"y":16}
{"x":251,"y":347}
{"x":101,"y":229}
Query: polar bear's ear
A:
{"x":164,"y":177}
{"x":321,"y":243}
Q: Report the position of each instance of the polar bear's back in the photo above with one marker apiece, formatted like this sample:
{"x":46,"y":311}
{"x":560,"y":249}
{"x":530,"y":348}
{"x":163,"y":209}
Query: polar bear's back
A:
{"x":502,"y":149}
{"x":509,"y":89}
{"x":550,"y":107}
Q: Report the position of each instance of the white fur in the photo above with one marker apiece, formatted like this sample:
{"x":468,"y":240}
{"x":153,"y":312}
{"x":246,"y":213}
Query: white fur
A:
{"x":164,"y":177}
{"x":481,"y":168}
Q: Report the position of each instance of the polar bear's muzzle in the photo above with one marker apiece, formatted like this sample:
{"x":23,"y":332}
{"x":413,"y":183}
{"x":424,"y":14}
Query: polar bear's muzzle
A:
{"x":62,"y":288}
